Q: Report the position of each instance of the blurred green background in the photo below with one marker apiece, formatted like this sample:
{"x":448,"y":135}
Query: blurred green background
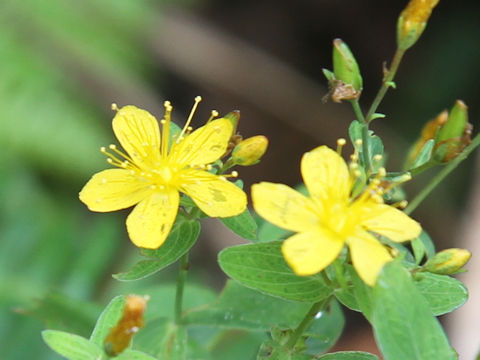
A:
{"x":63,"y":62}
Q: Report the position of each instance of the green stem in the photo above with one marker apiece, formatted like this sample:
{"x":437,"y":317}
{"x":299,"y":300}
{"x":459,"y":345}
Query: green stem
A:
{"x":182,"y":274}
{"x":366,"y":149}
{"x":386,"y":84}
{"x":357,"y":110}
{"x":442,"y":175}
{"x":306,"y":322}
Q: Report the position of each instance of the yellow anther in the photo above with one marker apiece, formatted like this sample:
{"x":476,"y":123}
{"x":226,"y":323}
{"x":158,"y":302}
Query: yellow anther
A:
{"x":358,"y":142}
{"x":377,"y":157}
{"x":357,"y":173}
{"x":354,"y":158}
{"x":234,"y":173}
{"x":340,"y":144}
{"x":406,"y":177}
{"x":209,"y":167}
{"x":382,"y":172}
{"x":114,"y":107}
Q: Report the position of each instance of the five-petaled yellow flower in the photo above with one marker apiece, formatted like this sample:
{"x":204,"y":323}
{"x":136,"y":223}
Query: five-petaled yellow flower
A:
{"x":153,"y":172}
{"x":329,"y":218}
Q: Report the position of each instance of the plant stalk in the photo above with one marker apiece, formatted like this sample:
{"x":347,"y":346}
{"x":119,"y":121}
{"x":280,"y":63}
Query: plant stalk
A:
{"x":386,"y":84}
{"x":307,"y":321}
{"x":182,"y":274}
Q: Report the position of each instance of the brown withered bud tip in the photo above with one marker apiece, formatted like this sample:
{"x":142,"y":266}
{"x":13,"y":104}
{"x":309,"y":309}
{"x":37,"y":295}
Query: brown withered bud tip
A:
{"x":119,"y":336}
{"x":340,"y":91}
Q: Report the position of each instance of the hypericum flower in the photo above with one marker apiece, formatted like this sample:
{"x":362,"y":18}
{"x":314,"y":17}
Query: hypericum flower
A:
{"x":329,"y":218}
{"x":152,"y":172}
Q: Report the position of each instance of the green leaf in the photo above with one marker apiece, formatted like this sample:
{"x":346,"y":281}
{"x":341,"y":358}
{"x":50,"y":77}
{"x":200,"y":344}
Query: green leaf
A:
{"x":442,"y":292}
{"x":238,"y":345}
{"x":71,"y":346}
{"x":418,"y":250}
{"x":181,"y":239}
{"x":377,"y":116}
{"x":262,"y":267}
{"x":328,"y":75}
{"x":375,"y":144}
{"x":242,"y":308}
{"x":134,"y":355}
{"x":268,"y":232}
{"x":347,"y":298}
{"x":402,"y":321}
{"x":428,"y":244}
{"x":349,"y":355}
{"x":108,"y":319}
{"x":424,"y":155}
{"x":242,"y":225}
{"x":363,"y":294}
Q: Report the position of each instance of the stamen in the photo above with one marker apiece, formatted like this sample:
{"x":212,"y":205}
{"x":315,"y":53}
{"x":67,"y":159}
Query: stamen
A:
{"x":340,"y":144}
{"x":122,"y":154}
{"x":165,"y":129}
{"x":212,"y":116}
{"x":209,"y":167}
{"x":114,"y":107}
{"x":190,"y":117}
{"x":377,"y":157}
{"x":359,"y":142}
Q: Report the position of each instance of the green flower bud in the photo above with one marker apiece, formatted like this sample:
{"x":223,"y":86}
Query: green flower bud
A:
{"x":454,"y":135}
{"x":448,"y":261}
{"x":249,"y":151}
{"x":412,"y":21}
{"x":345,"y":66}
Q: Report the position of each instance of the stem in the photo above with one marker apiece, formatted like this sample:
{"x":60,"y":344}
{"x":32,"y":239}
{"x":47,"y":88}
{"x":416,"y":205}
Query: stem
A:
{"x":397,"y":58}
{"x":306,"y":322}
{"x":182,"y":274}
{"x":442,"y":175}
{"x":366,"y":148}
{"x":357,"y":110}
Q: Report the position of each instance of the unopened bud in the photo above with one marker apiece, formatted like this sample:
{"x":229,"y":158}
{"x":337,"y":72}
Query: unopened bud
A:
{"x":448,"y":261}
{"x":249,"y":151}
{"x":454,"y":135}
{"x":412,"y":21}
{"x":345,"y":67}
{"x":120,"y":336}
{"x":429,"y":132}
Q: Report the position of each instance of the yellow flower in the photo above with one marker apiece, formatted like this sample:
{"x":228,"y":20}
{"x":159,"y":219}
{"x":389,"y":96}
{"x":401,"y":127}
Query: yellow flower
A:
{"x":152,"y":172}
{"x":329,"y":218}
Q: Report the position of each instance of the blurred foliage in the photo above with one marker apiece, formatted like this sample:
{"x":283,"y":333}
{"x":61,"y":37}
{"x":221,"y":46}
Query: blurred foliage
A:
{"x":51,"y":129}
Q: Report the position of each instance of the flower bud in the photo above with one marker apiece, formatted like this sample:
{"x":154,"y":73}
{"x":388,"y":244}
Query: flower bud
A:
{"x":345,"y":66}
{"x":119,"y":336}
{"x":429,"y":132}
{"x":454,"y":135}
{"x":448,"y":261}
{"x":249,"y":151}
{"x":412,"y":21}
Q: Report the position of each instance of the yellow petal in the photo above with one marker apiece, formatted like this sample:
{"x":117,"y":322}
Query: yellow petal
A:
{"x":325,"y":174}
{"x":284,"y":206}
{"x":214,"y":196}
{"x":114,"y":189}
{"x":149,"y":223}
{"x":368,"y":256}
{"x":308,"y":253}
{"x":390,"y":222}
{"x":205,"y":145}
{"x":138,"y":133}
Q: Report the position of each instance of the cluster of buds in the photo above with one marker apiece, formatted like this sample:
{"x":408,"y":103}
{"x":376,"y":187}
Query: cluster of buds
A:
{"x":345,"y":82}
{"x":451,"y":133}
